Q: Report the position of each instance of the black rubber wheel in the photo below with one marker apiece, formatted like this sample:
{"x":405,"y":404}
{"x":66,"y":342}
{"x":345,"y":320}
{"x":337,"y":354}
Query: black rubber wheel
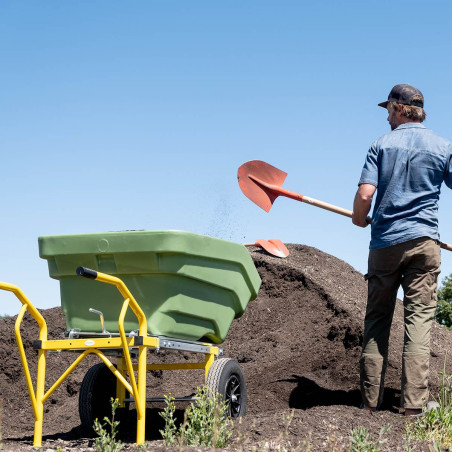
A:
{"x":94,"y":402}
{"x":225,"y":377}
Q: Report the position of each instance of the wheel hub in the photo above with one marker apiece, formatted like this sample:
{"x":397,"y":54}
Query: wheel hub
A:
{"x":233,"y":396}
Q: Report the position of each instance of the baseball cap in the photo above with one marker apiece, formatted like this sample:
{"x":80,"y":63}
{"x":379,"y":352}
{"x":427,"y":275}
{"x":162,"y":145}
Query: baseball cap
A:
{"x":403,"y":94}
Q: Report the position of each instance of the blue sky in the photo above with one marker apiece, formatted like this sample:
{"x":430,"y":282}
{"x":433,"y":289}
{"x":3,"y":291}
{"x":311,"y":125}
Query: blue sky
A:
{"x":136,"y":115}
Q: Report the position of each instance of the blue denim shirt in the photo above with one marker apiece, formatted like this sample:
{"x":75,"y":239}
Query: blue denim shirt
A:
{"x":408,"y":166}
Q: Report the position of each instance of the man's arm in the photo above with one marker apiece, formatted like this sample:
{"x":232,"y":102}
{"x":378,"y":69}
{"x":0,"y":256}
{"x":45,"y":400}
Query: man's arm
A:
{"x":362,"y":204}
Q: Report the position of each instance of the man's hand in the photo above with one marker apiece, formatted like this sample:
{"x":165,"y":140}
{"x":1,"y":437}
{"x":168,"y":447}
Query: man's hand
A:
{"x":362,"y":204}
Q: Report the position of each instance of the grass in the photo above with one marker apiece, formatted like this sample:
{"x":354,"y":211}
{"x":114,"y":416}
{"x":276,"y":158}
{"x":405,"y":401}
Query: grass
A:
{"x":436,"y":425}
{"x":283,"y":444}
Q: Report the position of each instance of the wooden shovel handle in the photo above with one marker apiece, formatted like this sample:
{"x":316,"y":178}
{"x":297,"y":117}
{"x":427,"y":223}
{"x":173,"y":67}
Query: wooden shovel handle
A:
{"x":445,"y":246}
{"x":331,"y":207}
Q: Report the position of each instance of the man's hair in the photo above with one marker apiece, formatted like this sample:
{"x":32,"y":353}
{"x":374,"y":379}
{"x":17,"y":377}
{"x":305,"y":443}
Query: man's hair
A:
{"x":416,"y":113}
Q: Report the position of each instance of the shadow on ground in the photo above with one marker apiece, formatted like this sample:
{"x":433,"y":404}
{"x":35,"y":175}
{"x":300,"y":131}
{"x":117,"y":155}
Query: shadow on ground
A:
{"x":308,"y":394}
{"x":126,"y":432}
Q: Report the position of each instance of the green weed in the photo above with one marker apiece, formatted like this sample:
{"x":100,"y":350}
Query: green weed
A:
{"x":169,"y":433}
{"x":362,"y":441}
{"x":107,"y":441}
{"x":205,"y":422}
{"x":435,"y":425}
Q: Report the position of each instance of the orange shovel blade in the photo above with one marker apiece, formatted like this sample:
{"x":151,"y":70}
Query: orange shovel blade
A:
{"x":274,"y":247}
{"x":277,"y":248}
{"x":249,"y":175}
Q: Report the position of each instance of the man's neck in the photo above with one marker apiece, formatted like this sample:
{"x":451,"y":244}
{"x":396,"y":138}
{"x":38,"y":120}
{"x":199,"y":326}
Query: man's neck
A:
{"x":405,"y":120}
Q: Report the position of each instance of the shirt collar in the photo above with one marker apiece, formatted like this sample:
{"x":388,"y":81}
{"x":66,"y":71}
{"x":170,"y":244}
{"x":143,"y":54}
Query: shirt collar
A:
{"x":411,"y":125}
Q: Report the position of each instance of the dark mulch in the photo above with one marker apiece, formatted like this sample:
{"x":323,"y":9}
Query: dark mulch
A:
{"x":298,"y":344}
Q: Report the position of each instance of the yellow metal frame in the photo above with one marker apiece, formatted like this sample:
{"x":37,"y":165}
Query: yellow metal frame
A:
{"x":95,"y":345}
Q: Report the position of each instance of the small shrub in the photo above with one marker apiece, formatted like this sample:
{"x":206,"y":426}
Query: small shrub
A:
{"x":362,"y":441}
{"x":205,"y":422}
{"x":107,"y":441}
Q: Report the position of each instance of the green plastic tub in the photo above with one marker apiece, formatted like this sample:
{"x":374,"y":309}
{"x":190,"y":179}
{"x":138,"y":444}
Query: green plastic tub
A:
{"x":189,"y":286}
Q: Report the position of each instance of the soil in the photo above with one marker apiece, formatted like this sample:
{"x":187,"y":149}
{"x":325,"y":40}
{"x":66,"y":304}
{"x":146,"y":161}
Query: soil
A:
{"x":298,"y":345}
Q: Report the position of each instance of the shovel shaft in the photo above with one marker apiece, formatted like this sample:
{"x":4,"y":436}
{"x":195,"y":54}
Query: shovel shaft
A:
{"x":331,"y":208}
{"x":446,"y":246}
{"x":308,"y":200}
{"x":327,"y":206}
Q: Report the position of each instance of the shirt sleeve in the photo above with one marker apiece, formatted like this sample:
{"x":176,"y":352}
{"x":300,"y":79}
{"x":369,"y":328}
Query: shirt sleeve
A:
{"x":369,"y":174}
{"x":448,"y":172}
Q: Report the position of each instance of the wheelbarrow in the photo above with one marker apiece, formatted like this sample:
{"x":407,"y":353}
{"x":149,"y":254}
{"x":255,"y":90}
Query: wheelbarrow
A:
{"x":184,"y":269}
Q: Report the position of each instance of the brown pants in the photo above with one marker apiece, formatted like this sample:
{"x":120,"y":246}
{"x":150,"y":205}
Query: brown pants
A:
{"x":414,"y":265}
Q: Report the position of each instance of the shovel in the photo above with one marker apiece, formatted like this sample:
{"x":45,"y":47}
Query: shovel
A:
{"x":272,"y":246}
{"x":262,"y":184}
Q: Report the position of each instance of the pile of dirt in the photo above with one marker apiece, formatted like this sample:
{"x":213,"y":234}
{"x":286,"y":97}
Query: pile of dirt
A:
{"x":298,"y":344}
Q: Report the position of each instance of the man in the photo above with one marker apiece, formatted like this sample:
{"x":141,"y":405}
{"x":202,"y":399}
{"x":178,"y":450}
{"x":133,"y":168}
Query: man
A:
{"x":405,"y":168}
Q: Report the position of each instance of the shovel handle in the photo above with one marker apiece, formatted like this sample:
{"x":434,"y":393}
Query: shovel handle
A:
{"x":279,"y":191}
{"x":323,"y":205}
{"x":445,"y":246}
{"x":331,"y":207}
